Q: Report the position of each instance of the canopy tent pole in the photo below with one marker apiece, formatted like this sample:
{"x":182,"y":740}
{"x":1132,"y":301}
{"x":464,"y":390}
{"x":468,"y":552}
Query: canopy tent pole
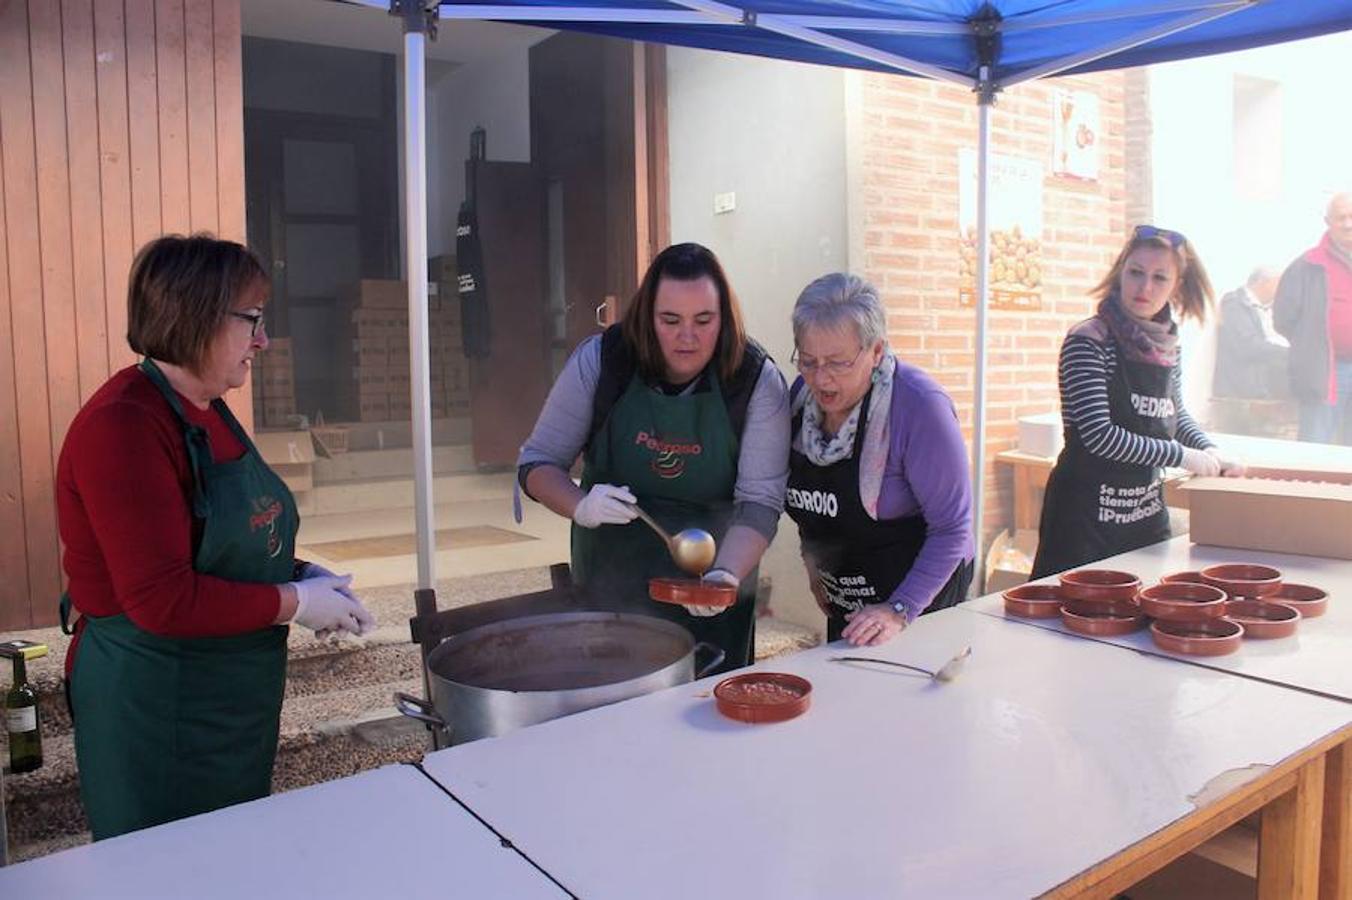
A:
{"x":415,"y":273}
{"x":419,"y":23}
{"x":986,"y":99}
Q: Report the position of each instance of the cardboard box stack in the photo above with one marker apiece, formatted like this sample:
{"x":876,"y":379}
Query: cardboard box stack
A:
{"x":380,"y":383}
{"x":274,"y":385}
{"x":1281,"y":510}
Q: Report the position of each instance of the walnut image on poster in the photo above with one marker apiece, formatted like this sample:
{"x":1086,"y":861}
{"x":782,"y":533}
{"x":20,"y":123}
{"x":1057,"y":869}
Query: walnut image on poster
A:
{"x":1015,"y":211}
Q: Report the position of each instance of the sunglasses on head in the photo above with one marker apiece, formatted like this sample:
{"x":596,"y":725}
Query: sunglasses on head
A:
{"x":1145,"y":232}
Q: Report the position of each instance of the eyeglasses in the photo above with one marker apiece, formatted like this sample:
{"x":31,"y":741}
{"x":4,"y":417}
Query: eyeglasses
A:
{"x":255,"y":321}
{"x":1145,"y":232}
{"x":835,"y":368}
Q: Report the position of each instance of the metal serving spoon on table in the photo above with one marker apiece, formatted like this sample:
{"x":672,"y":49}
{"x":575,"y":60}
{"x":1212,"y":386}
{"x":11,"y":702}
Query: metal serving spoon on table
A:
{"x":947,"y":672}
{"x":693,"y":549}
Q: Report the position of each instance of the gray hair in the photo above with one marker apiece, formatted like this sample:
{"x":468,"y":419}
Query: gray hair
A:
{"x":840,"y":299}
{"x":1261,"y":274}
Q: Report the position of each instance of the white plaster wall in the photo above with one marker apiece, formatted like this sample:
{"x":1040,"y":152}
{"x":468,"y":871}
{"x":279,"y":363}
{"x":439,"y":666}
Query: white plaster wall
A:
{"x":494,"y":93}
{"x":1195,"y":190}
{"x":774,"y":134}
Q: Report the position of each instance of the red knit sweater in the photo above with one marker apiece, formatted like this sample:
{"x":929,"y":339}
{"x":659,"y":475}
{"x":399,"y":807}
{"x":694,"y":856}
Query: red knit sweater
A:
{"x":124,"y":504}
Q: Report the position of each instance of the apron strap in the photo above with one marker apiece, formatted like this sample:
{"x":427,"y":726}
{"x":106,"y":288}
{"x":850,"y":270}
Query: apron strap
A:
{"x":64,"y":610}
{"x":194,"y":436}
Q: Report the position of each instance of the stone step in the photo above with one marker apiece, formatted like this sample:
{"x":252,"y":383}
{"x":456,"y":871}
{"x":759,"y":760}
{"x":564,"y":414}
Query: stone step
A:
{"x":393,"y":463}
{"x":398,"y":492}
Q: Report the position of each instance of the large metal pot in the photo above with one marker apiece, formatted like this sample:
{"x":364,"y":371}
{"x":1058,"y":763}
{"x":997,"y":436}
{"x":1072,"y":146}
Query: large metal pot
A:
{"x":496,"y":678}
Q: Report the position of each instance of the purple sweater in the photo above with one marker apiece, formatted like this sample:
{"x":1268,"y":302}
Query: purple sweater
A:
{"x":926,"y":474}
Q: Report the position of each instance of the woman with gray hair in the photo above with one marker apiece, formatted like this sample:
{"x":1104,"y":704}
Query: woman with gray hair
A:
{"x":878,"y":481}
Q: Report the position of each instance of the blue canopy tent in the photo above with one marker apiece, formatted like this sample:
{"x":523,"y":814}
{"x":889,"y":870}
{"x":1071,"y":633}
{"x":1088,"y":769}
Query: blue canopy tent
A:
{"x":985,"y":45}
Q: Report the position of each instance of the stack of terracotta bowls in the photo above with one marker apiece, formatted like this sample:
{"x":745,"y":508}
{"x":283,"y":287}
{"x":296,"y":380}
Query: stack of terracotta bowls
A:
{"x":1190,"y":618}
{"x":1100,"y":602}
{"x":1252,"y":606}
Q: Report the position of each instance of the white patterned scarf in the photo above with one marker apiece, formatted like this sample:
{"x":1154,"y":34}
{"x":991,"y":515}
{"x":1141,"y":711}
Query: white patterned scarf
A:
{"x":823,"y":449}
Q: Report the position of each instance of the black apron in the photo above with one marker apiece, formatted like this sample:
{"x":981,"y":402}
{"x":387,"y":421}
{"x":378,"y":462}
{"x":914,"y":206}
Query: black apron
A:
{"x":859,"y":560}
{"x":678,"y":455}
{"x":1093,"y":507}
{"x":171,"y":727}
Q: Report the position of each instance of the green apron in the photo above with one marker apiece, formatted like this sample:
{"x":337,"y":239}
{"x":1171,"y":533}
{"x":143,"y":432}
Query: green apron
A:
{"x":678,"y":455}
{"x":171,"y":727}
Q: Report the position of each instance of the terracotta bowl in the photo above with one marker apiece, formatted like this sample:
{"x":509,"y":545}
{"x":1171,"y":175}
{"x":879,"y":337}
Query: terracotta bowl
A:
{"x":1310,"y":601}
{"x":1099,"y":584}
{"x":1244,"y":579}
{"x":692,"y":591}
{"x":1034,"y":601}
{"x":1263,"y":620}
{"x":1182,"y":601}
{"x":762,"y":697}
{"x":1101,"y":618}
{"x":1209,"y":637}
{"x":1183,"y":577}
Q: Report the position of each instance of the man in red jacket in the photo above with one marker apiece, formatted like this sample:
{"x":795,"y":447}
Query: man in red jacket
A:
{"x":1313,"y":311}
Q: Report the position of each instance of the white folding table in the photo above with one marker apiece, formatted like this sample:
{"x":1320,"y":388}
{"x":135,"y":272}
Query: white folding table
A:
{"x":1052,"y":764}
{"x":388,"y":832}
{"x":1318,"y":657}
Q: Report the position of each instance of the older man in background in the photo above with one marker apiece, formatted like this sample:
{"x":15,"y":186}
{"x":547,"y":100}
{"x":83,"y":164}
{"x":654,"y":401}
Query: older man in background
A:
{"x":1313,"y":310}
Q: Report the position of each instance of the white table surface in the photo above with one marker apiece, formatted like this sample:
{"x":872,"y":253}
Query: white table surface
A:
{"x":1318,"y":657}
{"x":1046,"y":756}
{"x":388,"y":832}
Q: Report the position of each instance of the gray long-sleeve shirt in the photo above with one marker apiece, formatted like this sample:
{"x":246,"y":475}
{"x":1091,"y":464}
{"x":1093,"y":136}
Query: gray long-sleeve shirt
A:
{"x":561,"y":432}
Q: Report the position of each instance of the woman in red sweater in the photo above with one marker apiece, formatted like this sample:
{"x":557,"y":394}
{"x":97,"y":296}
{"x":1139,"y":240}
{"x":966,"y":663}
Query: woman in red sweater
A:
{"x":180,"y":555}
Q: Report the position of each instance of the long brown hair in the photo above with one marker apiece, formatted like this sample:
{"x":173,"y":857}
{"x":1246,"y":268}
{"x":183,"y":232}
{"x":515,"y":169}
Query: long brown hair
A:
{"x":1193,"y":295}
{"x":683,"y":262}
{"x":180,"y":291}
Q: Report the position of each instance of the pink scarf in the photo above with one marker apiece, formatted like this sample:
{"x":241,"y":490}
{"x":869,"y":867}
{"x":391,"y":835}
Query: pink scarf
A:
{"x":1153,"y":341}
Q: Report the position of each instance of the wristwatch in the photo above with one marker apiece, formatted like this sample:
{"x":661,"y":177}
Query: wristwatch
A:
{"x":898,"y":607}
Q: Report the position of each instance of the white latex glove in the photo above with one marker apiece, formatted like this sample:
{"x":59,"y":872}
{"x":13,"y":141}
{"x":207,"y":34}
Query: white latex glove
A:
{"x":1231,"y":467}
{"x":1199,"y":462}
{"x":323,"y":604}
{"x":605,"y":504}
{"x":310,"y":570}
{"x":713,"y":576}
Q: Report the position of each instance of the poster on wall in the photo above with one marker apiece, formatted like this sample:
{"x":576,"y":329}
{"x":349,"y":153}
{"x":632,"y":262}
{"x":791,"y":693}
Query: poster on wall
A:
{"x":1015,"y":195}
{"x":1075,"y":135}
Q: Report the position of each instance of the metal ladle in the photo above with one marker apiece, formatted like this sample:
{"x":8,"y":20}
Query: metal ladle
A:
{"x":692,"y":549}
{"x":947,"y":672}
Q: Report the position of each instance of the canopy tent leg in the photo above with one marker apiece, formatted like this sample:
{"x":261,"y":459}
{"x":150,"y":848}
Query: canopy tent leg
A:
{"x":983,"y":235}
{"x":418,"y":22}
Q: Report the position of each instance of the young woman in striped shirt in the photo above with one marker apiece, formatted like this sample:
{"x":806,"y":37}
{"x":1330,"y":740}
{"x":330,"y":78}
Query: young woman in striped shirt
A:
{"x":1122,"y":405}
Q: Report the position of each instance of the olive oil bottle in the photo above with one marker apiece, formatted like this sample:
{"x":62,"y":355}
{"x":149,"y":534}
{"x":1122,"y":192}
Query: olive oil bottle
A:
{"x":21,"y":709}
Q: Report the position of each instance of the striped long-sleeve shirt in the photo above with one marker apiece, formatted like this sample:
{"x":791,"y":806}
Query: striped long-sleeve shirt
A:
{"x":1086,"y":367}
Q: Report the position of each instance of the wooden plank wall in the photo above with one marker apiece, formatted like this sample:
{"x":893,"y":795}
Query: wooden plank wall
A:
{"x":119,"y":120}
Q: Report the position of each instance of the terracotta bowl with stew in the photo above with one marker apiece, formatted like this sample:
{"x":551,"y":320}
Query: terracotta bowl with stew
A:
{"x":1099,"y":584}
{"x":1244,"y":579}
{"x":1034,"y":601}
{"x":1208,"y":637}
{"x":1310,"y":601}
{"x":691,"y":591}
{"x":1182,"y":601}
{"x":1263,"y":620}
{"x":762,"y":697}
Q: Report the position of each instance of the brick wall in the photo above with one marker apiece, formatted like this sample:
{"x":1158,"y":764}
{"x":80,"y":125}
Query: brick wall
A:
{"x":911,"y":131}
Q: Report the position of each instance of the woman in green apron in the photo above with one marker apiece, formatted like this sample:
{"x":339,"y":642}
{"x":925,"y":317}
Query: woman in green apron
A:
{"x":1122,"y":404}
{"x":180,"y":555}
{"x":677,"y":410}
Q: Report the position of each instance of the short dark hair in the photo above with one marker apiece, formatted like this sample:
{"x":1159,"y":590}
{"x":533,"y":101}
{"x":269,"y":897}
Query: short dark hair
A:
{"x":180,"y":291}
{"x":683,"y":262}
